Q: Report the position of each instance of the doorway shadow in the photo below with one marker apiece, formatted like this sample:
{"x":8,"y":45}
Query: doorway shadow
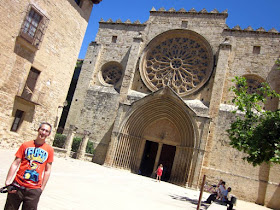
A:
{"x":148,"y":159}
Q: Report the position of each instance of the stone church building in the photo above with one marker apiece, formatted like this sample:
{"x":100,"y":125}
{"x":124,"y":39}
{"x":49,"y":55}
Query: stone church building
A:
{"x":39,"y":44}
{"x":158,"y":92}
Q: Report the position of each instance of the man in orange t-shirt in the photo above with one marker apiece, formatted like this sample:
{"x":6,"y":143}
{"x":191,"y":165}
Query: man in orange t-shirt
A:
{"x":34,"y":159}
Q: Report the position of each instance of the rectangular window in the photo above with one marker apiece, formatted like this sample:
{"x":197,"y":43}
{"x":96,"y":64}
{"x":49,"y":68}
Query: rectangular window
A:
{"x":18,"y":120}
{"x":114,"y":39}
{"x":184,"y":24}
{"x":256,"y":49}
{"x":33,"y":27}
{"x":29,"y":86}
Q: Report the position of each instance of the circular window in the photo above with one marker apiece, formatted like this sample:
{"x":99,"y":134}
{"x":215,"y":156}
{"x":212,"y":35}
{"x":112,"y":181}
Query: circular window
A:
{"x":111,"y":73}
{"x":181,"y":59}
{"x":254,"y":83}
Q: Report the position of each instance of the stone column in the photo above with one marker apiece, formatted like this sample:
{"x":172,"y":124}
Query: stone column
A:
{"x":217,"y":93}
{"x":82,"y":148}
{"x":199,"y":152}
{"x":220,"y":77}
{"x":69,"y":139}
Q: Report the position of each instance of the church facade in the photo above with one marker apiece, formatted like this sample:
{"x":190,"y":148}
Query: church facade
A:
{"x":158,"y":93}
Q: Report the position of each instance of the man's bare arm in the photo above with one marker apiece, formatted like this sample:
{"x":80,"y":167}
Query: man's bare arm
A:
{"x":46,"y":175}
{"x":12,"y":171}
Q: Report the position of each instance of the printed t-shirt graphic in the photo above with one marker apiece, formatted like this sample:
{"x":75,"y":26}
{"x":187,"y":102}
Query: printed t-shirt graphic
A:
{"x":34,"y":159}
{"x":35,"y":156}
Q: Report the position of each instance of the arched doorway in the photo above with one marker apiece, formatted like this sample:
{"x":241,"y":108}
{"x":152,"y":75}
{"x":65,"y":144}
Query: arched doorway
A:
{"x":164,"y":121}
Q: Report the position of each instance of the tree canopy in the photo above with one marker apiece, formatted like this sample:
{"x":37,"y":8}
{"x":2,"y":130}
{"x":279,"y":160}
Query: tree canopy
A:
{"x":255,"y":131}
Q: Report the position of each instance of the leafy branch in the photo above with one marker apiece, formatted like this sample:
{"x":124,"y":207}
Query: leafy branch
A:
{"x":256,"y":132}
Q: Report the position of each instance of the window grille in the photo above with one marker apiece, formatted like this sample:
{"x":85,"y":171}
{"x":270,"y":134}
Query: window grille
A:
{"x":29,"y":86}
{"x":34,"y":26}
{"x":17,"y":121}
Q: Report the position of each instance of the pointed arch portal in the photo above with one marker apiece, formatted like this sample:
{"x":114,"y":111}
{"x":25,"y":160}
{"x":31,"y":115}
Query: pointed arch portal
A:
{"x":158,"y":129}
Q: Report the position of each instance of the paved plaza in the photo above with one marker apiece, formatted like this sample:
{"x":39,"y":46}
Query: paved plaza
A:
{"x":80,"y":185}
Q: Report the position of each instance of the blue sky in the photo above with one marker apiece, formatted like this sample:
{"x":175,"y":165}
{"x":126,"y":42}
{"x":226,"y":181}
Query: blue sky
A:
{"x":254,"y":13}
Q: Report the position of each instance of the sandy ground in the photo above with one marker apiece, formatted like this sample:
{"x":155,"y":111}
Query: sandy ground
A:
{"x":80,"y":185}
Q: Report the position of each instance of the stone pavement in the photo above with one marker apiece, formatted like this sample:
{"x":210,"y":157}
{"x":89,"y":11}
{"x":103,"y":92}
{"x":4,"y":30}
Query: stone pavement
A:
{"x":80,"y":185}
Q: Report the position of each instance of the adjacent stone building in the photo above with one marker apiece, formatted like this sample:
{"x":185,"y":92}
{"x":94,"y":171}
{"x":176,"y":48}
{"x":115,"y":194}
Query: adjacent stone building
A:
{"x":40,"y":43}
{"x":158,"y":92}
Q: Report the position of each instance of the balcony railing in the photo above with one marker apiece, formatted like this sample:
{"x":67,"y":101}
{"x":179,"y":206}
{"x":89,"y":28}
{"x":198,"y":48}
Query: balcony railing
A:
{"x":35,"y":96}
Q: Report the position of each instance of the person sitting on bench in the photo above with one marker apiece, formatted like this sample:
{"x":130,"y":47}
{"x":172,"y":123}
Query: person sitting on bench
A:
{"x":225,"y":198}
{"x":217,"y":194}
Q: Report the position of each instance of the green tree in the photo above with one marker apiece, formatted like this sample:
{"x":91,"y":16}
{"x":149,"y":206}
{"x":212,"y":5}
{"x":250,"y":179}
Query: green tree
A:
{"x":59,"y":140}
{"x":255,"y":131}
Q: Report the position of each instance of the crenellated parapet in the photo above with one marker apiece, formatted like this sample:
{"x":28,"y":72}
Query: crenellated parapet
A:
{"x":191,"y":11}
{"x":120,"y":22}
{"x":237,"y":28}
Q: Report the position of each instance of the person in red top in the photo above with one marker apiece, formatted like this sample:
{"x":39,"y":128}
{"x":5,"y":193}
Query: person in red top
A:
{"x":33,"y":161}
{"x":159,"y":172}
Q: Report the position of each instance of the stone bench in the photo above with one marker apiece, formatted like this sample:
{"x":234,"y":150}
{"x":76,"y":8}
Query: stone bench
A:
{"x":217,"y":205}
{"x":220,"y":205}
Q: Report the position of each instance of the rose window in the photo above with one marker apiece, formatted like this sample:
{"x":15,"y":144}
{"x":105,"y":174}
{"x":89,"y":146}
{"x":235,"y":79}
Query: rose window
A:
{"x":180,"y":59}
{"x":254,"y":83}
{"x":111,"y":74}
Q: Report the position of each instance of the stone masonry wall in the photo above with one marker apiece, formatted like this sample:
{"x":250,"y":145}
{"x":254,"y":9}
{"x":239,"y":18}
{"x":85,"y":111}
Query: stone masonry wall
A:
{"x":243,"y":61}
{"x":101,"y":104}
{"x":55,"y":59}
{"x":210,"y":26}
{"x":226,"y":163}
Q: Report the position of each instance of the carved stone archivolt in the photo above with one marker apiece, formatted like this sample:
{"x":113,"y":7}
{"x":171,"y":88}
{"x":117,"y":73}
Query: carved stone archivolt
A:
{"x":181,"y":59}
{"x":111,"y":73}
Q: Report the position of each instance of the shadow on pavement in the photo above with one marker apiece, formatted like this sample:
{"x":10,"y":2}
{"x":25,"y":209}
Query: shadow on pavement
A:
{"x":192,"y":201}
